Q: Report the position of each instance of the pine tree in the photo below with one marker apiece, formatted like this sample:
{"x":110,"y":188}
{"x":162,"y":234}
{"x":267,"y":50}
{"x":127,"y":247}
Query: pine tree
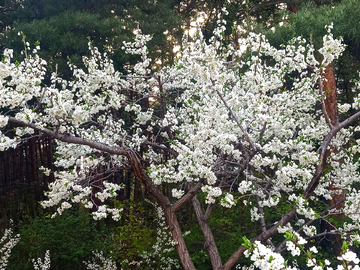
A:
{"x":64,"y":28}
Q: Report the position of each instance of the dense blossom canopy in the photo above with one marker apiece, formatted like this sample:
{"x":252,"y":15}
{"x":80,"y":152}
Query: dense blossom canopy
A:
{"x":221,"y":121}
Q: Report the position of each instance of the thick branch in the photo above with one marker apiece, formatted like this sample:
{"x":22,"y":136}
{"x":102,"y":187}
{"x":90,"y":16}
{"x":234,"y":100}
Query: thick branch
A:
{"x":208,"y":211}
{"x":188,"y":196}
{"x":162,"y":147}
{"x":262,"y":131}
{"x":262,"y":237}
{"x":209,"y":245}
{"x":347,"y":121}
{"x":179,"y":241}
{"x":72,"y":139}
{"x":322,"y":151}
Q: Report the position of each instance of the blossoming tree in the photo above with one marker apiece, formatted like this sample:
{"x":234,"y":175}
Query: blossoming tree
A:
{"x":232,"y":132}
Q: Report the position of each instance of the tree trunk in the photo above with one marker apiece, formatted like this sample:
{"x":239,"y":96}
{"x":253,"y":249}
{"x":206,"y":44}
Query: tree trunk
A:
{"x":209,"y":245}
{"x":179,"y":241}
{"x":329,"y":87}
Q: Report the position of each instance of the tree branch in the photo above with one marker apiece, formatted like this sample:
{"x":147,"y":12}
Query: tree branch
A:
{"x":72,"y":139}
{"x":188,"y":196}
{"x":262,"y":220}
{"x":262,"y":237}
{"x":247,"y":138}
{"x":281,"y":247}
{"x":322,"y":150}
{"x":162,"y":147}
{"x":209,"y":245}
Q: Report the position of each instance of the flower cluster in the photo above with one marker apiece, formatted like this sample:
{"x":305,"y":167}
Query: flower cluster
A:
{"x":7,"y":242}
{"x":332,"y":48}
{"x":228,"y":201}
{"x":212,"y":193}
{"x":264,"y":258}
{"x":177,"y":193}
{"x":349,"y":256}
{"x":302,"y":206}
{"x":42,"y":265}
{"x":99,"y":261}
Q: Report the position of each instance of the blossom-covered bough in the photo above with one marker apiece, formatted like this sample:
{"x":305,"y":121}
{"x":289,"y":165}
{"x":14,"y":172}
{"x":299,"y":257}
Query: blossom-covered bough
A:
{"x":220,"y":121}
{"x":7,"y":243}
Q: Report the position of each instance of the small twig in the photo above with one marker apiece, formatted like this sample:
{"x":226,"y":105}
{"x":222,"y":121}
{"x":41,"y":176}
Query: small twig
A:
{"x":247,"y":138}
{"x":262,"y":131}
{"x":281,"y":247}
{"x":262,"y":220}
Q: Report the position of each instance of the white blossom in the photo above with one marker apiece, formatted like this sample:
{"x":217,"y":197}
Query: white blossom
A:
{"x":177,"y":193}
{"x":42,"y":265}
{"x":7,"y":242}
{"x":349,"y":256}
{"x":100,"y":262}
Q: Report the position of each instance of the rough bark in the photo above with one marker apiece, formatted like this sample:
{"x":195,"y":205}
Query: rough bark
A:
{"x":179,"y":241}
{"x":329,"y":87}
{"x":209,"y":245}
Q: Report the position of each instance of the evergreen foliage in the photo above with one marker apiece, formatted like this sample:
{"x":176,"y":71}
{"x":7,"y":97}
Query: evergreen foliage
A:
{"x":311,"y":19}
{"x":63,"y":29}
{"x":71,"y":238}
